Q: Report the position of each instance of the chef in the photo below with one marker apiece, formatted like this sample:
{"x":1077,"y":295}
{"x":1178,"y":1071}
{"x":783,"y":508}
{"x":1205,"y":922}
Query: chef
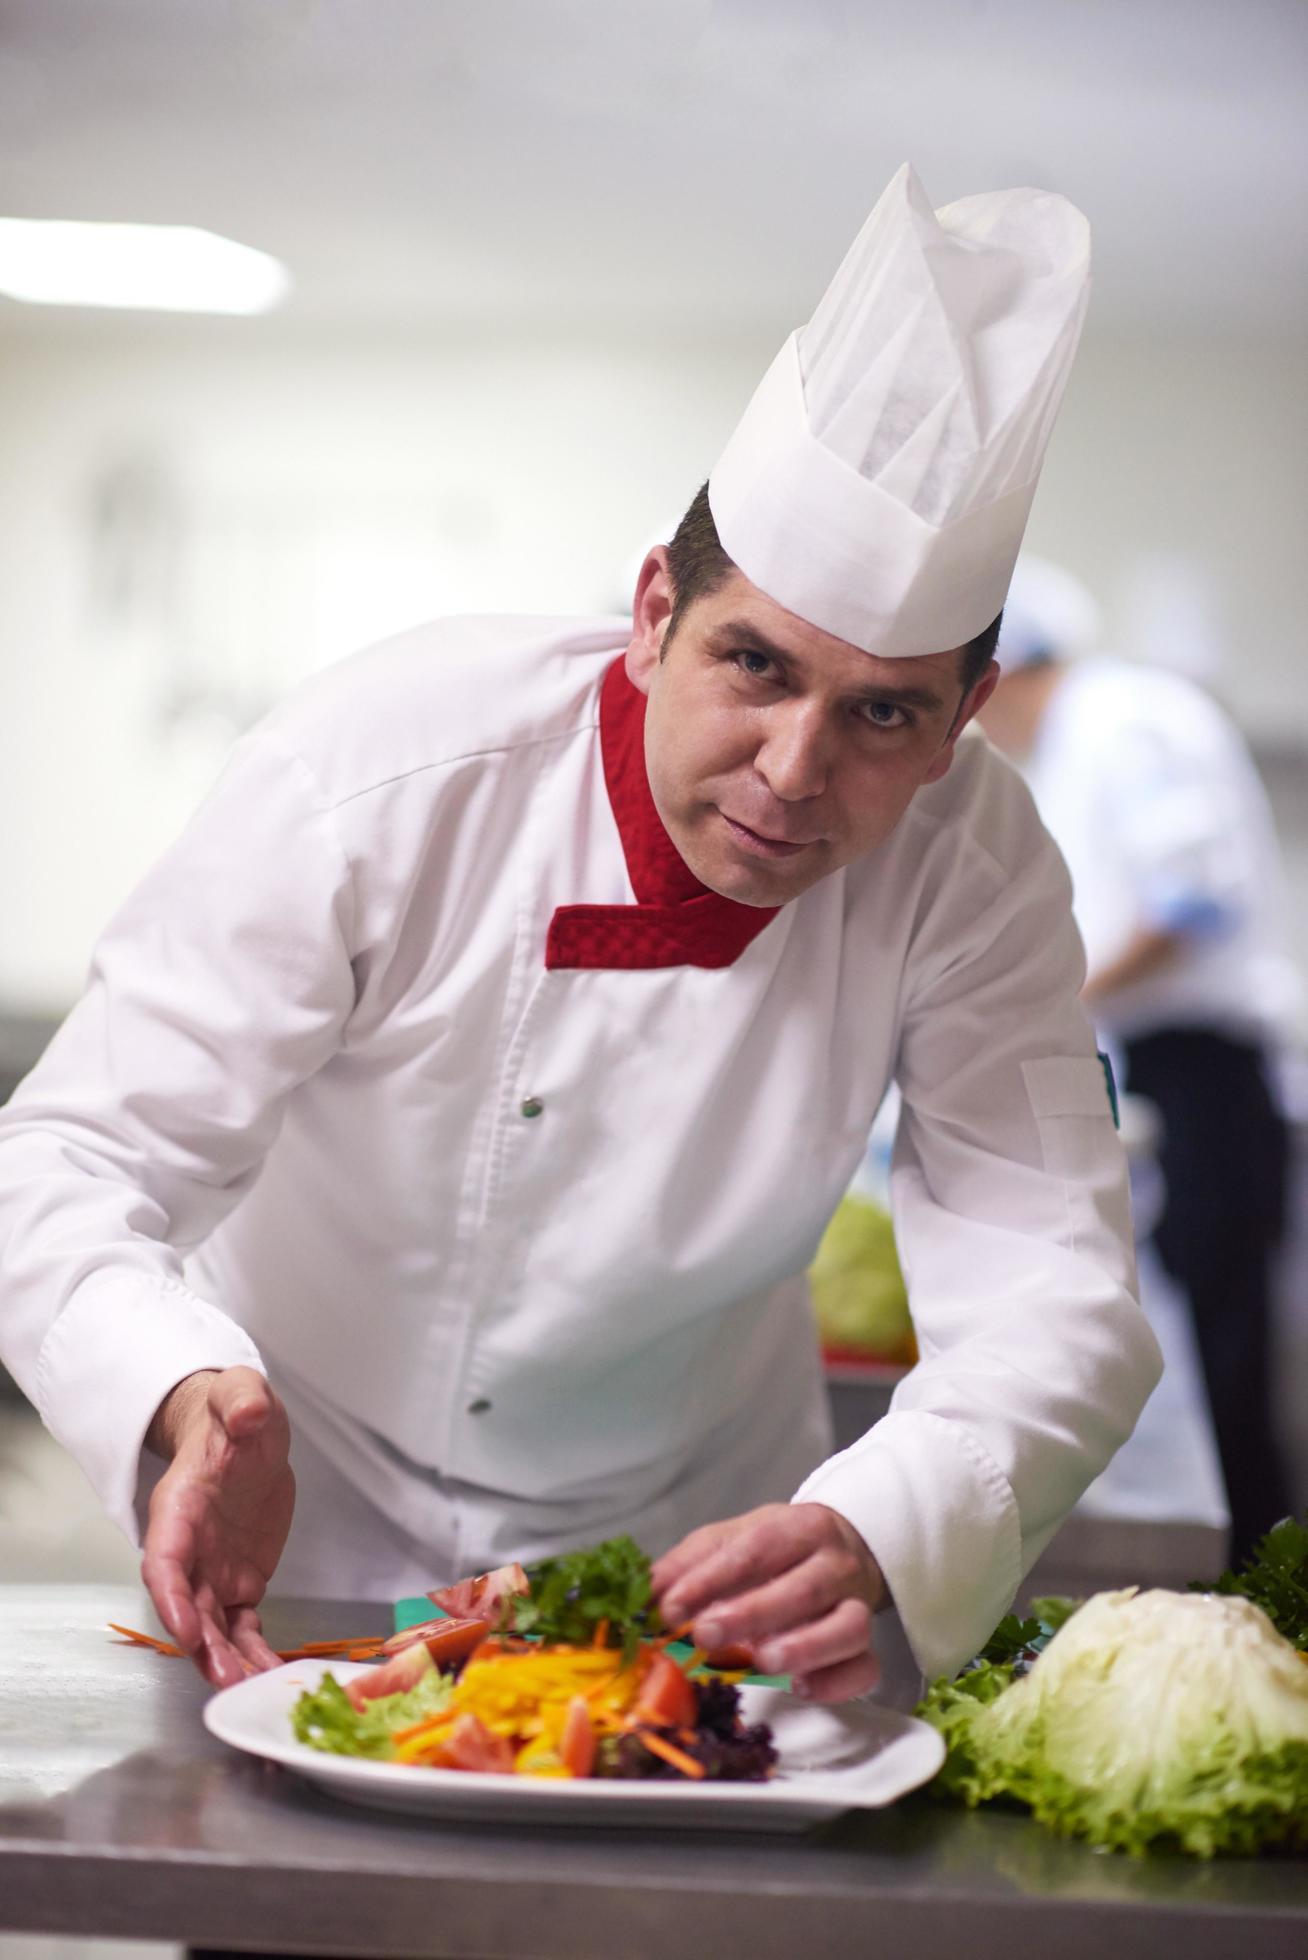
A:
{"x":428,"y":1175}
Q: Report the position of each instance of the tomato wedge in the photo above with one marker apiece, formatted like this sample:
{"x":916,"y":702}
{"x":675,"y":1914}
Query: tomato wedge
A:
{"x":471,"y":1745}
{"x":730,"y":1658}
{"x":456,"y":1600}
{"x":484,"y":1596}
{"x":577,"y":1744}
{"x":446,"y":1641}
{"x":667,"y":1697}
{"x":394,"y":1677}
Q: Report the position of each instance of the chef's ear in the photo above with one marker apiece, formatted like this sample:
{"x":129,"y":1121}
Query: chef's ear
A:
{"x":651,"y":612}
{"x":975,"y":698}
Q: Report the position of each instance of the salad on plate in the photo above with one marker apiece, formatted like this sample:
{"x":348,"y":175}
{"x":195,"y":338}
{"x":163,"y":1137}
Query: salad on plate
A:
{"x":565,"y":1671}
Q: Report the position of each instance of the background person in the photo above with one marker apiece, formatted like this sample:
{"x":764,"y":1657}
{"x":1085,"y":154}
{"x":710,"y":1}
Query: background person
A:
{"x":1154,"y":801}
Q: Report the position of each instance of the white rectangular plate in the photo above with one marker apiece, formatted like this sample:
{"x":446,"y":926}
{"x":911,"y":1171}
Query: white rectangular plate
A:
{"x":856,"y":1757}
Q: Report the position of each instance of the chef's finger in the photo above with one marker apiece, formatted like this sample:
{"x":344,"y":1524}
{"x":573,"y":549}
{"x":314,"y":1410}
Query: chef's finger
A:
{"x":168,"y":1557}
{"x":842,"y":1682}
{"x":840,"y":1635}
{"x":218,"y":1661}
{"x":175,"y":1605}
{"x":755,"y":1548}
{"x":242,"y":1401}
{"x":246,"y":1636}
{"x":802,"y":1594}
{"x":707,"y":1539}
{"x":212,"y":1610}
{"x":686,"y":1554}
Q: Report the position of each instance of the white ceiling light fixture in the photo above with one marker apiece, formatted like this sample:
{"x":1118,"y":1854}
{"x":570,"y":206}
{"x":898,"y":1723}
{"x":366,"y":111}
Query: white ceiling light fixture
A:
{"x":162,"y":268}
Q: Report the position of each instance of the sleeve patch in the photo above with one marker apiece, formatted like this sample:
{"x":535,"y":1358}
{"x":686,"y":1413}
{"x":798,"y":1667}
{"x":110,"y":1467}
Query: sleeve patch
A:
{"x":1067,"y":1085}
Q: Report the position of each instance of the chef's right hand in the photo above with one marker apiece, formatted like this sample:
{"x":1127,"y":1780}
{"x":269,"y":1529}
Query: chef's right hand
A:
{"x":218,"y":1517}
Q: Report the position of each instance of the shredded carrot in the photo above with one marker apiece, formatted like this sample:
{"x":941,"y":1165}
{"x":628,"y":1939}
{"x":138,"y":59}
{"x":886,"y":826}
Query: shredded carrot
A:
{"x":444,"y":1719}
{"x":321,"y":1649}
{"x":146,"y":1640}
{"x":358,"y":1647}
{"x":670,"y":1753}
{"x":601,"y":1634}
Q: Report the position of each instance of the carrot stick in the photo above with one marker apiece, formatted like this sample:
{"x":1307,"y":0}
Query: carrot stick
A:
{"x":601,"y":1634}
{"x":671,"y":1754}
{"x":147,"y":1640}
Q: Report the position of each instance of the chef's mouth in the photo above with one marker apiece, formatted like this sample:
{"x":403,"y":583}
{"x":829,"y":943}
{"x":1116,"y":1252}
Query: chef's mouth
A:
{"x":761,"y":845}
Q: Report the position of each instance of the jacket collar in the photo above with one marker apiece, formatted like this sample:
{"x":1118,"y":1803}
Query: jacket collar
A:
{"x":676,"y":921}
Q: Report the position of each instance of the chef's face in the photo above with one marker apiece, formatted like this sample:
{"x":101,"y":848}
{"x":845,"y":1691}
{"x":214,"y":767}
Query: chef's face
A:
{"x":775,"y":752}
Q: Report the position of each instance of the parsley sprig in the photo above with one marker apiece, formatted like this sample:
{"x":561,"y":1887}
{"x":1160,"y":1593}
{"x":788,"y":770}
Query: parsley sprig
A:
{"x":1015,"y":1643}
{"x":572,"y":1594}
{"x":1275,"y":1578}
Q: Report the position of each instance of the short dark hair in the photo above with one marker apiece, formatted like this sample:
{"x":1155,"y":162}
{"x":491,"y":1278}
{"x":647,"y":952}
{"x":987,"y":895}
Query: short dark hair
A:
{"x":699,"y":565}
{"x":978,"y":654}
{"x":696,"y":560}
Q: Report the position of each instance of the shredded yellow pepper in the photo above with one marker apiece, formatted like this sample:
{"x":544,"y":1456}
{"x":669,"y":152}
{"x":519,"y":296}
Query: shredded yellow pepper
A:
{"x":525,"y":1697}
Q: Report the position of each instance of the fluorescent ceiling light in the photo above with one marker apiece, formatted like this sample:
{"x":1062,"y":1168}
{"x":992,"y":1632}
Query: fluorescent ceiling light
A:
{"x":169,"y":268}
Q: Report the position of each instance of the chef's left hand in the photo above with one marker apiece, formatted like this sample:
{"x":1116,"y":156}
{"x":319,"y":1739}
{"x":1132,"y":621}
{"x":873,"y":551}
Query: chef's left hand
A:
{"x":794,"y":1582}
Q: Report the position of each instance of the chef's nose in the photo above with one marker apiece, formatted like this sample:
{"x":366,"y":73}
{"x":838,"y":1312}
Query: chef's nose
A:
{"x":793,"y":760}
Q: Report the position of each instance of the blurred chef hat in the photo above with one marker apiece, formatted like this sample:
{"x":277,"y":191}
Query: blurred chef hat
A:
{"x":1048,"y":615}
{"x":879,"y":481}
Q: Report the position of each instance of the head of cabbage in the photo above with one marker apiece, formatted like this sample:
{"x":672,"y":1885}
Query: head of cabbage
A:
{"x":1172,"y":1718}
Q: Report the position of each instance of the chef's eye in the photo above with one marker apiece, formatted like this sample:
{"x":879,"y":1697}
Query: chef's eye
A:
{"x":751,"y":661}
{"x":886,"y":714}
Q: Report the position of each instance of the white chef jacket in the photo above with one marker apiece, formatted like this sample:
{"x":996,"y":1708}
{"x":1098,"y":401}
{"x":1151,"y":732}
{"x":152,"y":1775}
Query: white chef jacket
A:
{"x":1155,"y":803}
{"x":522,"y":1248}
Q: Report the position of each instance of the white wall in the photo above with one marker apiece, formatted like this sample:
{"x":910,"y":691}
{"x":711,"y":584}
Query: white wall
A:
{"x":1193,"y":454}
{"x":309,"y":497}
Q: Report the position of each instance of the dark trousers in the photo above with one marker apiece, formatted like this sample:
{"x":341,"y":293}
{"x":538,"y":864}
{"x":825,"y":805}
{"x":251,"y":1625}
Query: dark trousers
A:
{"x":1224,"y":1160}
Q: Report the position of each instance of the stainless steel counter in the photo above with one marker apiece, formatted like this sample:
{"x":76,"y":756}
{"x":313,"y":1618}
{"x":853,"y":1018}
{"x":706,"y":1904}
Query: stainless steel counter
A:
{"x":119,"y":1816}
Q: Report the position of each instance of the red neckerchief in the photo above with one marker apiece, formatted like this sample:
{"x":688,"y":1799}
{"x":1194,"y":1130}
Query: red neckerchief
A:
{"x":675,"y":921}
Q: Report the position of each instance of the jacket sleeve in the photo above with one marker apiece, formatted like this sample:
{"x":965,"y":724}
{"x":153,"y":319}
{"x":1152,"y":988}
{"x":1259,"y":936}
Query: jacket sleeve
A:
{"x":224,"y":981}
{"x":1012,"y":1220}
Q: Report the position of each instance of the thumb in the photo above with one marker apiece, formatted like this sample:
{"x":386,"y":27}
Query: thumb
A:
{"x":241,"y":1400}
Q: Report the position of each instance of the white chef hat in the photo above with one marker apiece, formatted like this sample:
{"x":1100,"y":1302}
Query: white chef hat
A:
{"x":1048,"y":615}
{"x":879,"y":481}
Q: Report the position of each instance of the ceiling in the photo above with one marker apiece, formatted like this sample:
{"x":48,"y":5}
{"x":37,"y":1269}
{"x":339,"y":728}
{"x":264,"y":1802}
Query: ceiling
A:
{"x":664,"y":166}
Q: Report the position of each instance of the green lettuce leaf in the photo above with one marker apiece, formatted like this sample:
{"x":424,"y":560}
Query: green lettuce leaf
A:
{"x":1054,"y":1610}
{"x":326,"y":1718}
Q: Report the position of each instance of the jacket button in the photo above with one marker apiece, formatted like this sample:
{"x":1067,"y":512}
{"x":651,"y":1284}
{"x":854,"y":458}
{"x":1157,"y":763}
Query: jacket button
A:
{"x":479,"y":1407}
{"x":532,"y":1106}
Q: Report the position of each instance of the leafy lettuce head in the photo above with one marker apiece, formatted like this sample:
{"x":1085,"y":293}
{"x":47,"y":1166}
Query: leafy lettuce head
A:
{"x":1156,"y":1716}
